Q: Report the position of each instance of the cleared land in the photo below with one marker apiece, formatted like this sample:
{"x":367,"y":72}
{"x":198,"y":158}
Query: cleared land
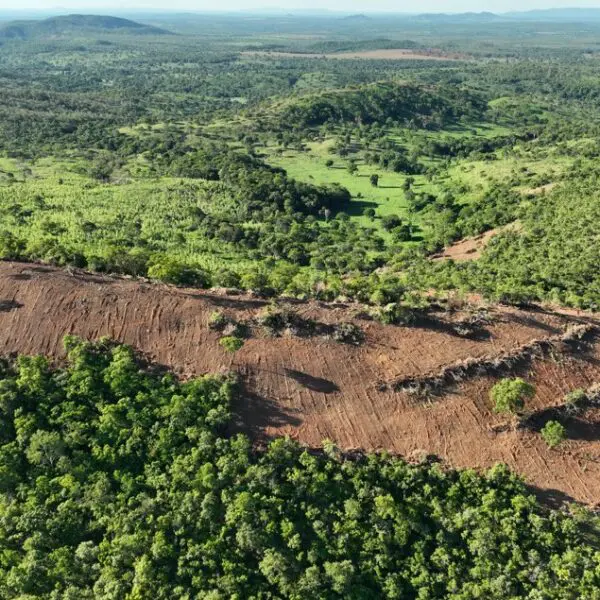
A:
{"x":383,"y":54}
{"x":471,"y":248}
{"x":315,"y":388}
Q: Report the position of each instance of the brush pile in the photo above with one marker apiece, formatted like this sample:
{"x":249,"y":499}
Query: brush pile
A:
{"x":437,"y":383}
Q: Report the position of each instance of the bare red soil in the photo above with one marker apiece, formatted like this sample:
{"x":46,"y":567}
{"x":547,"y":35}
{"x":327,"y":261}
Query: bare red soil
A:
{"x":382,"y":54}
{"x":471,"y":248}
{"x":315,"y":388}
{"x":467,"y":249}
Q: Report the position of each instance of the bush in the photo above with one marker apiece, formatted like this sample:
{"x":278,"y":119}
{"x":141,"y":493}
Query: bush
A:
{"x":227,"y":279}
{"x":275,"y":319}
{"x":217,"y":321}
{"x":397,"y":314}
{"x":390,"y":222}
{"x":575,"y":397}
{"x":369,"y":213}
{"x":231,"y":343}
{"x":509,"y":395}
{"x":171,"y":271}
{"x":257,"y":282}
{"x":554,"y":433}
{"x":348,"y":333}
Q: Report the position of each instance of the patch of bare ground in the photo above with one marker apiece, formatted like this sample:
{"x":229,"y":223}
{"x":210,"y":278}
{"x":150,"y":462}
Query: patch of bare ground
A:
{"x":383,"y":54}
{"x":471,"y":248}
{"x":542,"y":189}
{"x":316,"y":388}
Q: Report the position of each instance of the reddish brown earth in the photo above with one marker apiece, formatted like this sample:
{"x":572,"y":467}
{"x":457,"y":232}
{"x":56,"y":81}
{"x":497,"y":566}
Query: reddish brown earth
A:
{"x":313,"y":389}
{"x":467,"y":249}
{"x":471,"y":248}
{"x":382,"y":54}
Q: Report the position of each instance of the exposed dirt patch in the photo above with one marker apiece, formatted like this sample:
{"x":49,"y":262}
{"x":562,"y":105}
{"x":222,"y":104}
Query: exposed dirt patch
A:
{"x":542,"y":189}
{"x":315,"y":388}
{"x":384,"y":54}
{"x":471,"y":248}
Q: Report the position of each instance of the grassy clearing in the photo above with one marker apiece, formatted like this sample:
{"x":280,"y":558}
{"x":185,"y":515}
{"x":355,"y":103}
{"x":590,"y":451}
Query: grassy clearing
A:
{"x":468,"y":179}
{"x":386,"y":198}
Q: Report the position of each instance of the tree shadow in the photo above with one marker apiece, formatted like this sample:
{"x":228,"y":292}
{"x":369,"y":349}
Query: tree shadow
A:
{"x":252,"y":413}
{"x":550,"y":497}
{"x":432,"y":323}
{"x":315,"y":384}
{"x":8,"y":305}
{"x":357,"y":207}
{"x":530,"y":321}
{"x":229,"y":302}
{"x":582,"y":430}
{"x":573,"y":419}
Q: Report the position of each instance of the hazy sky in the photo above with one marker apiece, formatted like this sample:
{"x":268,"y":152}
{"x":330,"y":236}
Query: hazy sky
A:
{"x":105,"y":6}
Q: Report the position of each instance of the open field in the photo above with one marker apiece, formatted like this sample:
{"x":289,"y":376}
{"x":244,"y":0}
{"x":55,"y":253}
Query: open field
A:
{"x":382,"y":54}
{"x":316,"y":389}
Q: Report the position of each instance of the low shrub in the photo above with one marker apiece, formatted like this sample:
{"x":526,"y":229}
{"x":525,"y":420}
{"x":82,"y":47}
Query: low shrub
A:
{"x":509,"y":395}
{"x":217,"y":321}
{"x":231,"y":343}
{"x":348,"y":333}
{"x":554,"y":434}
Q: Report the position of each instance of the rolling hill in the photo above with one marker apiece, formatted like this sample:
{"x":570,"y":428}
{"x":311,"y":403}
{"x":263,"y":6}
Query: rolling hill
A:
{"x":558,"y":15}
{"x":73,"y":25}
{"x":459,"y":18}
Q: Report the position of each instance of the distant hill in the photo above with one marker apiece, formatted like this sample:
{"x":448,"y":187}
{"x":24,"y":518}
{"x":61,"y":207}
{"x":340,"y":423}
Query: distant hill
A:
{"x":73,"y":25}
{"x":559,"y":15}
{"x":468,"y":17}
{"x":359,"y":17}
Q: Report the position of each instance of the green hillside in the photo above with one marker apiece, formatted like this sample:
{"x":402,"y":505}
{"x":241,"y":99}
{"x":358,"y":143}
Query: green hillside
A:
{"x":74,"y":24}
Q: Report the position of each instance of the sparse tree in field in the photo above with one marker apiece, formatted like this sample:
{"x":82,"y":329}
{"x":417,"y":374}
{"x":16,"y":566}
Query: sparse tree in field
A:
{"x":369,"y":213}
{"x":374,"y":179}
{"x":509,"y":395}
{"x":390,"y":222}
{"x":408,"y":183}
{"x":554,"y":433}
{"x":352,"y":168}
{"x":329,"y":163}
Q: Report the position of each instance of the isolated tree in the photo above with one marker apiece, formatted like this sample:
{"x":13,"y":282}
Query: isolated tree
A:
{"x":509,"y":395}
{"x":352,"y":168}
{"x":408,"y":183}
{"x":329,"y":163}
{"x":390,"y":222}
{"x":374,"y":179}
{"x":554,"y":433}
{"x":369,"y":213}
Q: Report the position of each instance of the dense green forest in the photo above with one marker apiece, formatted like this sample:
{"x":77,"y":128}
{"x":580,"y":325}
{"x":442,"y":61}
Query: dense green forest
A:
{"x":119,"y":482}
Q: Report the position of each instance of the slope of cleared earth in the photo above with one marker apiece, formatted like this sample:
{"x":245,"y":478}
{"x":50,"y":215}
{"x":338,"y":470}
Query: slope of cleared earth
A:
{"x":315,"y":388}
